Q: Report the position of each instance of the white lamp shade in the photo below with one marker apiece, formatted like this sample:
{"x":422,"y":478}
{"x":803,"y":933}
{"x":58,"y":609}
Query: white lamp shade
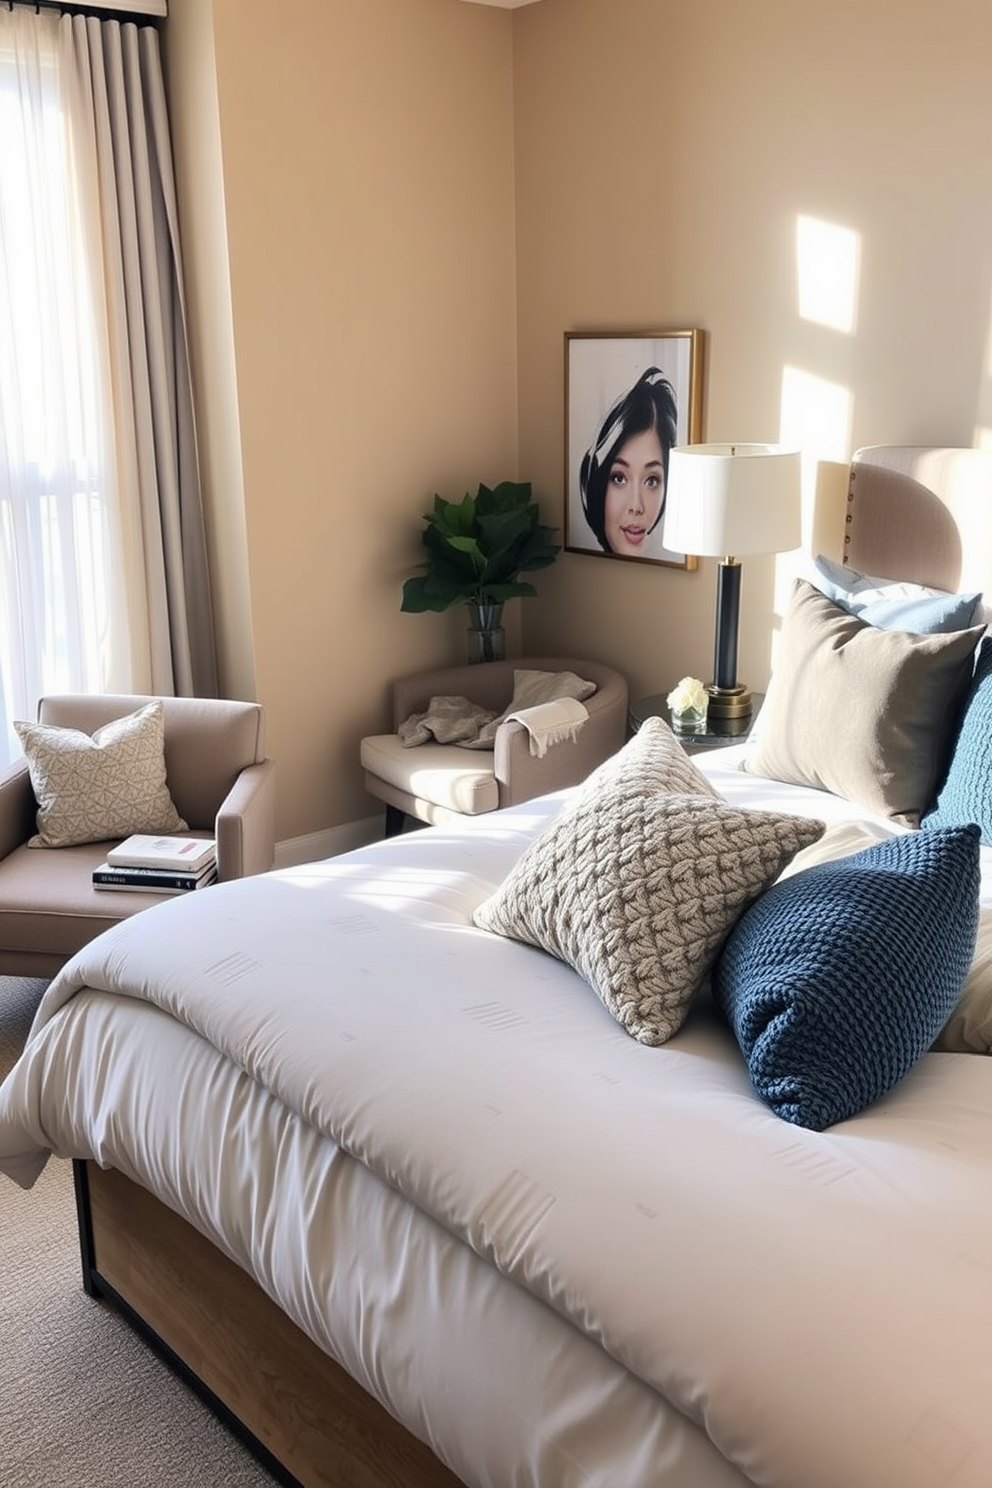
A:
{"x":729,"y":500}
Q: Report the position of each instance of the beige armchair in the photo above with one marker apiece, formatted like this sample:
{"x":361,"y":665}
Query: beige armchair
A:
{"x":220,"y":780}
{"x":438,"y":783}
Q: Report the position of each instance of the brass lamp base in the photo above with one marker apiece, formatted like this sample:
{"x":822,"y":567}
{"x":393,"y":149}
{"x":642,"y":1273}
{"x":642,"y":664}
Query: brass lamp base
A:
{"x":729,"y":702}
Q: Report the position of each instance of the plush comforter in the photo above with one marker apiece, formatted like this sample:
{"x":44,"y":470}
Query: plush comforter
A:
{"x":816,"y":1303}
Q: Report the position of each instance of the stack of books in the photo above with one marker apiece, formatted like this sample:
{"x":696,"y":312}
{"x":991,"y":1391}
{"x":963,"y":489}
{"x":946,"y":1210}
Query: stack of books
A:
{"x":159,"y":865}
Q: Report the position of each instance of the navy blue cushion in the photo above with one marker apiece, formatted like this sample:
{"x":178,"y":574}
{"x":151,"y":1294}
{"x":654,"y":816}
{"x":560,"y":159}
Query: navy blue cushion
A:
{"x":839,"y":978}
{"x":966,"y":794}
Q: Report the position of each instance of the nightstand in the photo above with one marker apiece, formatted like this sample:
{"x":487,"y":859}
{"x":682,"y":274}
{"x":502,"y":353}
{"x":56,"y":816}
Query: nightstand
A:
{"x":718,"y":734}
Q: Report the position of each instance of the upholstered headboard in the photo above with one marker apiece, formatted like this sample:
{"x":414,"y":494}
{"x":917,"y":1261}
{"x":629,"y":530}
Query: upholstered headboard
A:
{"x":923,"y":514}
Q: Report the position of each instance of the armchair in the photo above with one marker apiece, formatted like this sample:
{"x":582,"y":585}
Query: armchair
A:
{"x":219,"y":778}
{"x":439,"y":783}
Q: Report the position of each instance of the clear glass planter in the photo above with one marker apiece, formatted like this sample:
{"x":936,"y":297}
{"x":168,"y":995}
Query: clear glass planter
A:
{"x":486,"y":636}
{"x":689,"y":721}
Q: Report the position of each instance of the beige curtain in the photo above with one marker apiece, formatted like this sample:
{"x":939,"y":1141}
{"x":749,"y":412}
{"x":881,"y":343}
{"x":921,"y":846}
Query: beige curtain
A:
{"x":63,"y":598}
{"x":123,"y":149}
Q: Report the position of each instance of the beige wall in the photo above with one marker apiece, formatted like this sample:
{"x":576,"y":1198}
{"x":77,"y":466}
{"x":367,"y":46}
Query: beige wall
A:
{"x":665,"y":151}
{"x":422,"y":196}
{"x":367,"y":160}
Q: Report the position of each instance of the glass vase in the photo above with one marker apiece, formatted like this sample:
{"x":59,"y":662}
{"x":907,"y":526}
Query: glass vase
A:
{"x":689,"y":721}
{"x":486,"y":637}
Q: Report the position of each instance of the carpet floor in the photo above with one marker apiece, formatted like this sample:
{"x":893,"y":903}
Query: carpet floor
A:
{"x":83,"y":1402}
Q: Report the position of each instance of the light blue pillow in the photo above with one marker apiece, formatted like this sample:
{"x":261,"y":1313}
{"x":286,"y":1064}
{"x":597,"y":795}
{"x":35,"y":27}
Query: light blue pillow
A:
{"x":966,"y":793}
{"x":891,"y":604}
{"x":839,"y":978}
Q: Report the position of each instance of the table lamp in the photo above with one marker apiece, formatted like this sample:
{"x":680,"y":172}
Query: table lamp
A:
{"x":727,"y":501}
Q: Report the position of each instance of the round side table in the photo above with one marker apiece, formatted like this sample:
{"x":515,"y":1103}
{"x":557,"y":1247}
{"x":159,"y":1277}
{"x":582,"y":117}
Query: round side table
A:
{"x":718,"y":733}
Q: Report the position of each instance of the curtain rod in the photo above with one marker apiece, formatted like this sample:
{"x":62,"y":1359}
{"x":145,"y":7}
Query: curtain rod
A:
{"x":143,"y":10}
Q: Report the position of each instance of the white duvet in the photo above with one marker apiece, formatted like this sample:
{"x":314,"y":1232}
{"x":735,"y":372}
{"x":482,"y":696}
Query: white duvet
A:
{"x":412,"y":1130}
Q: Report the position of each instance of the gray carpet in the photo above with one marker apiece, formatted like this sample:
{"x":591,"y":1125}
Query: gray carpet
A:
{"x":83,"y":1403}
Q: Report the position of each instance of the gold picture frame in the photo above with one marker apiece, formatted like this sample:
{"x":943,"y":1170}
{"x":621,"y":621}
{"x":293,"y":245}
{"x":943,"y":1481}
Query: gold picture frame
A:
{"x":630,"y":396}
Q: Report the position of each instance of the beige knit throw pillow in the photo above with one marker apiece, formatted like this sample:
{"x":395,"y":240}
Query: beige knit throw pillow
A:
{"x":640,"y":878}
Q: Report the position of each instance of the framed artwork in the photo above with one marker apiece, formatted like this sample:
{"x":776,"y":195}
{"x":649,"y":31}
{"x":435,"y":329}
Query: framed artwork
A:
{"x":629,"y":398}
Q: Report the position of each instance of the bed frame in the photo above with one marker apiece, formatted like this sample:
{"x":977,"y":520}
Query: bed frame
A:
{"x":298,"y":1412}
{"x":921,"y":514}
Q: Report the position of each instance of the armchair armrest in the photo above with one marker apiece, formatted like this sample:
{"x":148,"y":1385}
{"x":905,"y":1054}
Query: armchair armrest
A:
{"x":18,"y":808}
{"x":520,"y":775}
{"x":245,"y":825}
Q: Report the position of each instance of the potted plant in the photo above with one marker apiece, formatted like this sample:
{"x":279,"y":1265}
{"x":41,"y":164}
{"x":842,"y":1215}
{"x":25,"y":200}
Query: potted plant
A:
{"x":476,"y":550}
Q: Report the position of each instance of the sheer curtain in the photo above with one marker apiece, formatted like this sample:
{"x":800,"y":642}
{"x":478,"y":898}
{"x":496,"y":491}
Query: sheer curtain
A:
{"x":103,"y":575}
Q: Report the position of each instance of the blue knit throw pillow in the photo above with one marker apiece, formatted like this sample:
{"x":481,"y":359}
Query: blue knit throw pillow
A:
{"x":839,"y":978}
{"x":966,"y":794}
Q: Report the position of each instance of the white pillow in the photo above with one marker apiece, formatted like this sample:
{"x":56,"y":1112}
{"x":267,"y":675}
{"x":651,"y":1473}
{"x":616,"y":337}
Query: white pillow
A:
{"x":93,"y":788}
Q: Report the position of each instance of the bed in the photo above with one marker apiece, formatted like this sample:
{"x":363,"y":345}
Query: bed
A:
{"x":411,"y":1204}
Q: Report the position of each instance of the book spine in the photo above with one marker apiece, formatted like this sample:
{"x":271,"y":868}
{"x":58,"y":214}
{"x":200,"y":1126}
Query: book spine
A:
{"x":147,"y":878}
{"x":152,"y":864}
{"x":142,"y":888}
{"x":116,"y":870}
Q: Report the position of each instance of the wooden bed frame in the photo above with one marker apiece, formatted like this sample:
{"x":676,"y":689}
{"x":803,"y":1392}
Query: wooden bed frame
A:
{"x":911,"y":514}
{"x":299,"y":1413}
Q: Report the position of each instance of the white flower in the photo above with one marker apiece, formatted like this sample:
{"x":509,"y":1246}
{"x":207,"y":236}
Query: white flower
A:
{"x":690,"y":693}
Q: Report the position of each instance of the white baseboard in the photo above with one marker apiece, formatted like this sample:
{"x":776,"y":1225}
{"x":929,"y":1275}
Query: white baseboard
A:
{"x":329,"y":843}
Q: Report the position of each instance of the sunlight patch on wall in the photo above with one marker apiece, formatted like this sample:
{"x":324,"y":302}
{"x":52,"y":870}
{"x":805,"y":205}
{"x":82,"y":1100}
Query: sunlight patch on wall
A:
{"x":816,"y":418}
{"x":827,"y":263}
{"x":815,"y":415}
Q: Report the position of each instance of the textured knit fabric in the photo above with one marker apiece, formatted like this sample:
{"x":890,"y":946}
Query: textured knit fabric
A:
{"x":966,"y":792}
{"x":652,"y":761}
{"x":839,"y":978}
{"x":635,"y":888}
{"x":456,"y":720}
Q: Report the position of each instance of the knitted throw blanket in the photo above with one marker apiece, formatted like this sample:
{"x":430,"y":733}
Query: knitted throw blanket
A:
{"x":456,"y":720}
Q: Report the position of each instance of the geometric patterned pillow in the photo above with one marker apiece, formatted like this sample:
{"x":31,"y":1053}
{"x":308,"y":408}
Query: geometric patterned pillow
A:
{"x":111,"y":784}
{"x":636,"y":889}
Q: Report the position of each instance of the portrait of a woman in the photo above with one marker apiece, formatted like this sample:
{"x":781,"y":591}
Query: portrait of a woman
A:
{"x":629,"y":400}
{"x":624,"y":474}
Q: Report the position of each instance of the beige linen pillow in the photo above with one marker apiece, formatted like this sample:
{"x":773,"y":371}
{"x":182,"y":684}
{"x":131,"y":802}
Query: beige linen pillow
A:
{"x":93,"y":788}
{"x":636,"y":888}
{"x":867,"y":714}
{"x":969,"y":1028}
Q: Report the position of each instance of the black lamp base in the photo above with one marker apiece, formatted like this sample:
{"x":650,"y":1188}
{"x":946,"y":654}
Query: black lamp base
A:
{"x":728,"y":697}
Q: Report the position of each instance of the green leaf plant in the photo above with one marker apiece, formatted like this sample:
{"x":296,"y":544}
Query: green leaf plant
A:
{"x":477,"y":547}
